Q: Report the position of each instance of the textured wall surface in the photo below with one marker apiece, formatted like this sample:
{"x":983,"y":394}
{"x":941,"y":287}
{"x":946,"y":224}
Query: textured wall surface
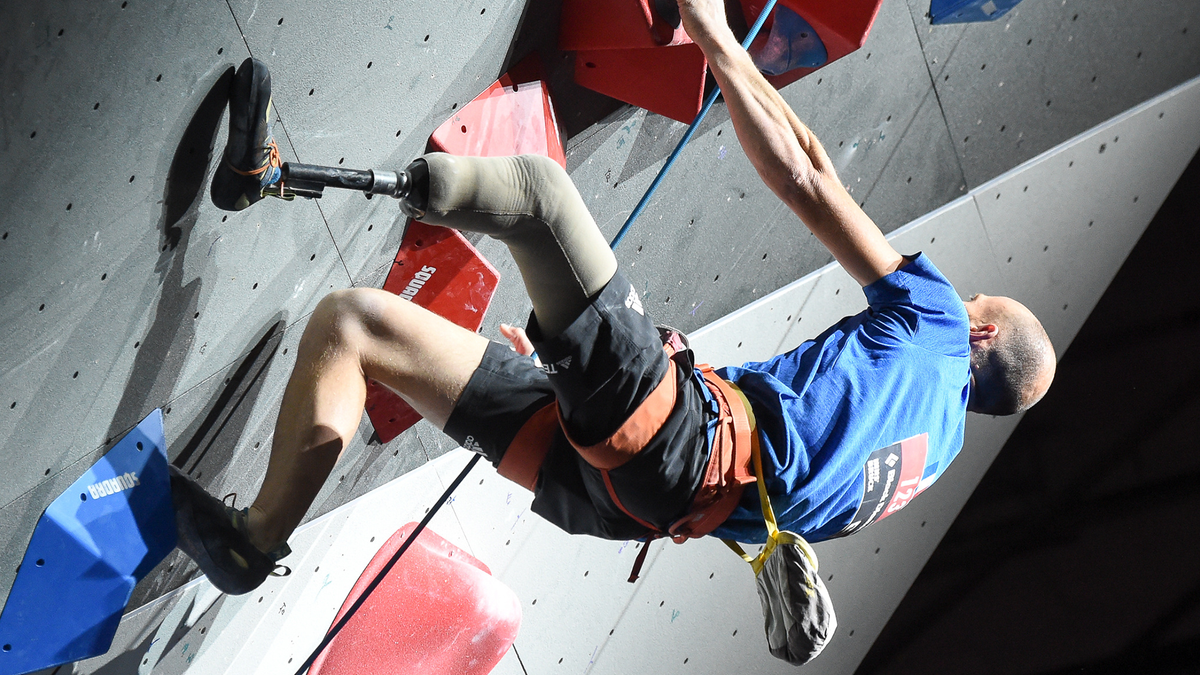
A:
{"x":695,"y":605}
{"x":124,"y":289}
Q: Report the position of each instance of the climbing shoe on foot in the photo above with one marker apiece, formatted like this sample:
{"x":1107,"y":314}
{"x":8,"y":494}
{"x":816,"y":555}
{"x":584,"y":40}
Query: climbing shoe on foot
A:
{"x":215,"y":536}
{"x":250,"y":166}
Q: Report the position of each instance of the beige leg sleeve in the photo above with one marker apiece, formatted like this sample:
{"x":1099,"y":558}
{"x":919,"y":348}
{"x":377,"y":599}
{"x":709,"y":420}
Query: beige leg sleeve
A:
{"x":530,"y":204}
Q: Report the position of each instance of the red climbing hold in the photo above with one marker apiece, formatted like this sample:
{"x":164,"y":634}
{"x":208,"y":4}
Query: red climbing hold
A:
{"x":665,"y":80}
{"x":842,"y":26}
{"x":439,"y":270}
{"x":516,"y":118}
{"x":624,"y":49}
{"x":616,"y":24}
{"x":436,"y":267}
{"x":438,"y":612}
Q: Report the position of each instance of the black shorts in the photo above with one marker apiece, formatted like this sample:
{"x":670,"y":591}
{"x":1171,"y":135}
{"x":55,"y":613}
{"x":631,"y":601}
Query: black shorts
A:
{"x":599,"y":369}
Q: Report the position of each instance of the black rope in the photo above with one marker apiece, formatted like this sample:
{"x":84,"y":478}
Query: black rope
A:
{"x":386,"y":568}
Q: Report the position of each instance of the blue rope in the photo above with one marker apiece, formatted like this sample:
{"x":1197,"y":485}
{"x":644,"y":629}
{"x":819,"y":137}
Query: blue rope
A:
{"x":691,"y":131}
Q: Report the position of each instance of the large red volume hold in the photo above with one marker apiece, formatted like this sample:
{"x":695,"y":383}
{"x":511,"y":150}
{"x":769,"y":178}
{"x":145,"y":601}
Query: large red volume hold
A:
{"x":437,"y":612}
{"x":626,"y":51}
{"x":665,"y":80}
{"x":615,"y":24}
{"x":436,"y":267}
{"x":508,"y":118}
{"x":843,"y":26}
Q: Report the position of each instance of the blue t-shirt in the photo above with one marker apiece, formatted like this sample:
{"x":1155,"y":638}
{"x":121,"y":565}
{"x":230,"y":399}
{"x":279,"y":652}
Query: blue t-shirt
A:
{"x":856,"y":422}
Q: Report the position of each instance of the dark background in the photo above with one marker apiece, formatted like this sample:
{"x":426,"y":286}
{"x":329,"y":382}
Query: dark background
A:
{"x":1078,"y":551}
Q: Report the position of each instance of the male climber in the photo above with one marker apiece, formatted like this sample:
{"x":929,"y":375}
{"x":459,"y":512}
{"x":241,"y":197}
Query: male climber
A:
{"x":639,"y":443}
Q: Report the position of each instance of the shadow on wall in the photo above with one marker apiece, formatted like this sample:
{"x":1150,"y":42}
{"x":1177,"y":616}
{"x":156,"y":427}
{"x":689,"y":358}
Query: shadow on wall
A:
{"x":163,"y":350}
{"x":210,"y":440}
{"x":208,"y":445}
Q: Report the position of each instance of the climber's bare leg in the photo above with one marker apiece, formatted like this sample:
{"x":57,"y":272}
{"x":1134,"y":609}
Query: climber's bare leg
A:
{"x":353,"y":335}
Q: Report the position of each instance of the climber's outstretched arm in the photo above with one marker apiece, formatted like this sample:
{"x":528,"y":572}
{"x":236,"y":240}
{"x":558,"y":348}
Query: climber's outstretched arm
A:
{"x":786,"y":153}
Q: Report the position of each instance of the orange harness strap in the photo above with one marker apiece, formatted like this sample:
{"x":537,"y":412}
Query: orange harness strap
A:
{"x":628,"y":440}
{"x":525,"y":454}
{"x":729,"y":471}
{"x":729,"y":465}
{"x":523,"y":459}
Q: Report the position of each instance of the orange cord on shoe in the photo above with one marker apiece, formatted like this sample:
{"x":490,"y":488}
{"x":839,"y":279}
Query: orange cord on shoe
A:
{"x":273,"y":160}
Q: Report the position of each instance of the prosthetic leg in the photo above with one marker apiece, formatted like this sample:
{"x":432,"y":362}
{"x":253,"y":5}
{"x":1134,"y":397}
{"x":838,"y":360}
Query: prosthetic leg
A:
{"x":527,"y":202}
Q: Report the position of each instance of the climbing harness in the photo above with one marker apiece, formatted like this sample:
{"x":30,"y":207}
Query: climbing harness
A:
{"x":728,"y":470}
{"x":386,"y":182}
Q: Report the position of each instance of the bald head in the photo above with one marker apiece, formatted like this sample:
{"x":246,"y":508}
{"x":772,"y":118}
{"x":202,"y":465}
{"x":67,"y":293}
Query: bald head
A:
{"x":1012,"y":360}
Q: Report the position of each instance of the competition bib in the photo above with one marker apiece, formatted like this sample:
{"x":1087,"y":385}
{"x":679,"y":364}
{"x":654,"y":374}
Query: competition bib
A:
{"x":891,"y":478}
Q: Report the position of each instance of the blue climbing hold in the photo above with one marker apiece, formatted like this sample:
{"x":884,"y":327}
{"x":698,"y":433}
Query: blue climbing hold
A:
{"x":969,"y":11}
{"x":793,"y":43}
{"x":92,"y":544}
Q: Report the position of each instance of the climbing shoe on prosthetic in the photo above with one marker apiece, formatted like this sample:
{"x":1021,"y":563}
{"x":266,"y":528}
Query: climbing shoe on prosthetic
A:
{"x":215,"y":536}
{"x":250,"y":166}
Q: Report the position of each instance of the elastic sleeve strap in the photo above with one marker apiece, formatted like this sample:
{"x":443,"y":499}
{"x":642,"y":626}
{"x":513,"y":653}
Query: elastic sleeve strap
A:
{"x":756,"y":453}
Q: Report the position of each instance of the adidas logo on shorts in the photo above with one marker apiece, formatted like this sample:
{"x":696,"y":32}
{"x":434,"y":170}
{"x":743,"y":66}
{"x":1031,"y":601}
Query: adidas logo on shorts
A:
{"x":553,"y":368}
{"x":471,"y":444}
{"x":632,"y":301}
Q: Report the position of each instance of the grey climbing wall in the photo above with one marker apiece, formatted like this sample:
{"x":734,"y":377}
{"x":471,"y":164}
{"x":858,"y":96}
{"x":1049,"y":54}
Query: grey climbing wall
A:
{"x":694,"y":606}
{"x":126,"y":290}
